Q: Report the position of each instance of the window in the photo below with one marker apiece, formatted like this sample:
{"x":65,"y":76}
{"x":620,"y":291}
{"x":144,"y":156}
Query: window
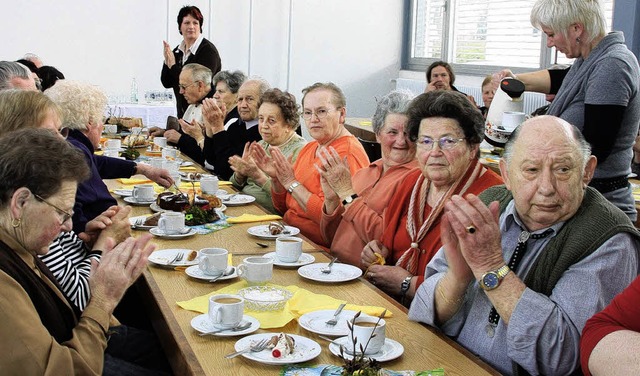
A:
{"x":478,"y":36}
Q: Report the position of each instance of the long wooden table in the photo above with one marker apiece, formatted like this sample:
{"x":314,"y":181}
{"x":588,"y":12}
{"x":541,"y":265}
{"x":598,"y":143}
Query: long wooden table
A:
{"x":190,"y":354}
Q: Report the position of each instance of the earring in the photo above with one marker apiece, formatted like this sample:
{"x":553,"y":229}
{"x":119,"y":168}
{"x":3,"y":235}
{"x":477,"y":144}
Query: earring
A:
{"x":15,"y":222}
{"x":578,"y":40}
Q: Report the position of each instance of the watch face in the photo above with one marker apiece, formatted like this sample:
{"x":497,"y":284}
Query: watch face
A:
{"x":490,"y":280}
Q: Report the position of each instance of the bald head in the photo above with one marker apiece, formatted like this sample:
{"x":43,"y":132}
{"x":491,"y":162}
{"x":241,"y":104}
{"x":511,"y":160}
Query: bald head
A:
{"x":249,"y":96}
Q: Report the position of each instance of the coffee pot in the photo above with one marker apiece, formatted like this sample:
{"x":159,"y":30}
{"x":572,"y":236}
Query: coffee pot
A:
{"x":508,"y":98}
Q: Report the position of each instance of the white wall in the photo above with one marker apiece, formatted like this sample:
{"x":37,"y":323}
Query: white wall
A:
{"x":354,"y":43}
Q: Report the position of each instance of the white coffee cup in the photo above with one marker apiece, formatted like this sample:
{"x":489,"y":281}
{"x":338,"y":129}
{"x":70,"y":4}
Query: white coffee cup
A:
{"x":256,"y":270}
{"x":225,"y":310}
{"x":363,"y":328}
{"x":209,"y":184}
{"x":143,"y":192}
{"x":169,"y":152}
{"x":172,"y":166}
{"x":171,"y":223}
{"x":113,"y":153}
{"x":111,"y":129}
{"x":511,"y":120}
{"x":156,"y":162}
{"x":136,"y":130}
{"x":160,"y":141}
{"x":288,"y":249}
{"x":213,"y":261}
{"x":113,"y":144}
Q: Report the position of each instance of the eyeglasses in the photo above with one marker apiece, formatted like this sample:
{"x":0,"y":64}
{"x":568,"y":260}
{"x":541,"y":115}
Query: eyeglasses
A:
{"x":320,"y":113}
{"x":184,"y":87}
{"x":64,"y":215}
{"x":445,"y":143}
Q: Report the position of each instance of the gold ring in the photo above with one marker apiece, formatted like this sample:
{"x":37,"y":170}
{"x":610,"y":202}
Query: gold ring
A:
{"x":471,"y":229}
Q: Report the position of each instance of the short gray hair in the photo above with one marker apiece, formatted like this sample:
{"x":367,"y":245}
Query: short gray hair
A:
{"x":80,"y":103}
{"x":396,"y":102}
{"x":10,"y":70}
{"x":558,"y":15}
{"x":199,"y":73}
{"x":339,"y":99}
{"x":233,"y":79}
{"x":263,"y":84}
{"x":582,"y":146}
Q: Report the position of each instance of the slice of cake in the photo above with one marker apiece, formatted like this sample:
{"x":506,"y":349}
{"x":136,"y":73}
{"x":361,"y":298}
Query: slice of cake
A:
{"x":281,"y":345}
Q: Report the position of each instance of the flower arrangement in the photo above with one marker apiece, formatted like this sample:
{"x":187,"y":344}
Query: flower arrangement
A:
{"x":359,"y":364}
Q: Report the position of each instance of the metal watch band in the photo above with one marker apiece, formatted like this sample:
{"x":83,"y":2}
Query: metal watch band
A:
{"x":293,"y":186}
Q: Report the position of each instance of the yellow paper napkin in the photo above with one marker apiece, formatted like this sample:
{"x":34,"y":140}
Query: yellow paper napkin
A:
{"x":224,"y":182}
{"x":303,"y":301}
{"x":365,"y":122}
{"x":132,"y":181}
{"x":188,"y":168}
{"x":98,"y":152}
{"x":247,"y":218}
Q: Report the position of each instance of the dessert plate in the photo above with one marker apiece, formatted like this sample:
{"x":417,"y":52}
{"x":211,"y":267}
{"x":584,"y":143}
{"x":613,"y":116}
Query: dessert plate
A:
{"x":155,"y":231}
{"x":305,"y":349}
{"x":389,"y":351}
{"x":123,"y":192}
{"x":162,"y":257}
{"x":339,"y":272}
{"x":142,"y":218}
{"x":237,"y":199}
{"x":202,"y":324}
{"x":195,"y":272}
{"x":316,"y":322}
{"x":262,"y":232}
{"x":305,"y":259}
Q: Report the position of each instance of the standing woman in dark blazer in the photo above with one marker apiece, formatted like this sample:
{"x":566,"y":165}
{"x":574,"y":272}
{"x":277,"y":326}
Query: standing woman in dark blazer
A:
{"x":194,"y":48}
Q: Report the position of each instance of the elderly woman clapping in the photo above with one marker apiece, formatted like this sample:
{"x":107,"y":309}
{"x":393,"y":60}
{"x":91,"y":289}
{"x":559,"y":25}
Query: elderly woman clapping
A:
{"x":278,"y":120}
{"x":296,"y":189}
{"x":82,"y":108}
{"x":353,"y":208}
{"x":45,"y":332}
{"x":448,"y":130}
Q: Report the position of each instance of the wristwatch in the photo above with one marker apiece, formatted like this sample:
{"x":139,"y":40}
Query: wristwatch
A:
{"x":404,"y":287}
{"x":491,"y":280}
{"x":349,"y":199}
{"x":293,"y":186}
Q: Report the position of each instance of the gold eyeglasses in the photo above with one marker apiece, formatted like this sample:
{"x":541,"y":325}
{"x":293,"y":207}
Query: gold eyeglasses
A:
{"x":445,"y":143}
{"x":64,"y":215}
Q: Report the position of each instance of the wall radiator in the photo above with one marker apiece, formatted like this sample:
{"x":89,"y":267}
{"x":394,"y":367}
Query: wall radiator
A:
{"x":531,"y":100}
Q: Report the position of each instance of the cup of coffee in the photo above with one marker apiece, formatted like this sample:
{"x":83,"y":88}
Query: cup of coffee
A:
{"x":111,"y":129}
{"x":171,"y":223}
{"x":169,"y":152}
{"x":113,"y":144}
{"x":213,"y":261}
{"x":160,"y":141}
{"x":256,"y":270}
{"x":209,"y":184}
{"x":143,"y":193}
{"x":288,"y":249}
{"x":156,"y":162}
{"x":113,"y":153}
{"x":511,"y":120}
{"x":225,"y":310}
{"x":363,"y":328}
{"x":171,"y":166}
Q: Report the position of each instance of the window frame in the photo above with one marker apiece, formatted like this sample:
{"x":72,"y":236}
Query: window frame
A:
{"x":420,"y":64}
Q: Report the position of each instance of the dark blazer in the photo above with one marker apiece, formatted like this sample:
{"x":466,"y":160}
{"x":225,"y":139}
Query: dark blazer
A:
{"x":207,"y":55}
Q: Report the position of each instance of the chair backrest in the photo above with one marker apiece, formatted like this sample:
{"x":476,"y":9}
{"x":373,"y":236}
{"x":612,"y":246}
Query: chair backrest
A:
{"x":372,"y":148}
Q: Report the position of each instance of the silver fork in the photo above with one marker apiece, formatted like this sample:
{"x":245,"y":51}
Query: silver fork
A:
{"x":285,"y":230}
{"x":178,"y":258}
{"x":327,"y":269}
{"x":253,"y":348}
{"x":139,"y":222}
{"x":334,"y":320}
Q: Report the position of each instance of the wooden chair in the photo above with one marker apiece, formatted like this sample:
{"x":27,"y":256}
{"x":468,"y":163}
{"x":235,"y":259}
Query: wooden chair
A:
{"x":372,"y":148}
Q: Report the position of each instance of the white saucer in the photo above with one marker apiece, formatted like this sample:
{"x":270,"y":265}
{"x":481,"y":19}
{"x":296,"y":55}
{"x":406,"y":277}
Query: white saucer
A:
{"x":133,"y":221}
{"x":195,"y":272}
{"x":161,"y":234}
{"x":202,"y":324}
{"x":123,"y":192}
{"x":339,"y":272}
{"x":262,"y":232}
{"x":316,"y":322}
{"x":162,"y":257}
{"x":305,"y":349}
{"x":156,"y":208}
{"x":238,"y":200}
{"x":389,"y":351}
{"x":305,"y":259}
{"x":133,"y":201}
{"x":186,"y":164}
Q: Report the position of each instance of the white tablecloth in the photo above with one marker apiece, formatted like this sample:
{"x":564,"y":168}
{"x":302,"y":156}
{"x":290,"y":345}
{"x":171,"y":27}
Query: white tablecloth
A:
{"x":152,"y":114}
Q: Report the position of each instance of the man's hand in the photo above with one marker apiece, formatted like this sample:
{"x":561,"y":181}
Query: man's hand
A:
{"x":172,"y":135}
{"x":213,"y":115}
{"x":158,"y":175}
